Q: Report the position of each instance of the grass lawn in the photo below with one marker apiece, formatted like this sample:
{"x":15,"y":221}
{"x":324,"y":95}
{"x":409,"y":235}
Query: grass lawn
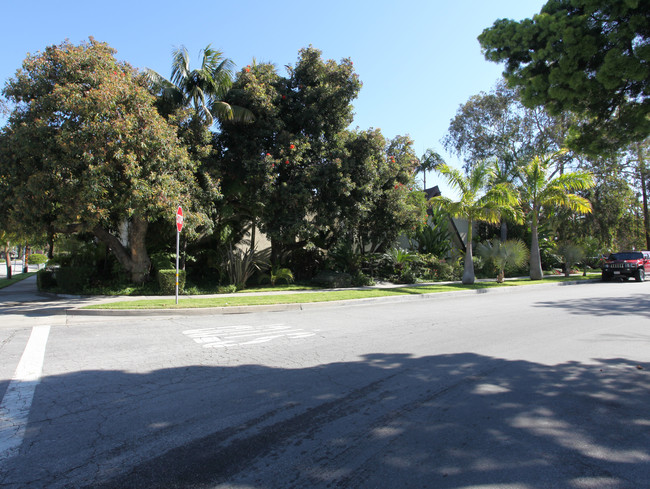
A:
{"x":17,"y":277}
{"x":322,"y":296}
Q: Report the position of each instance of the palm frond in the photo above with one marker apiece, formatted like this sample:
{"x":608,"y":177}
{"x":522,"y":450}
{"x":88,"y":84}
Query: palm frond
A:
{"x":575,"y":181}
{"x":180,"y":67}
{"x":454,"y":177}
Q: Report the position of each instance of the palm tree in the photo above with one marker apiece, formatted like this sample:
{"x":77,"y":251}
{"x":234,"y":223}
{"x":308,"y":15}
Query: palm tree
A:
{"x":541,"y":191}
{"x":430,"y":160}
{"x":476,"y":203}
{"x":504,"y":254}
{"x":202,"y":90}
{"x":571,"y":254}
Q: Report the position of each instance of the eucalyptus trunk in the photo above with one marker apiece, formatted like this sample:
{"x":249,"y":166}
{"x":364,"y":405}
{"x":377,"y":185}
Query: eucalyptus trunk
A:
{"x":644,"y":194}
{"x":468,"y":273}
{"x":535,"y":259}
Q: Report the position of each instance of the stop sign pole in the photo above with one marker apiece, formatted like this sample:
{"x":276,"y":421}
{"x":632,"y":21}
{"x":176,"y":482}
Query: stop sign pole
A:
{"x":179,"y":226}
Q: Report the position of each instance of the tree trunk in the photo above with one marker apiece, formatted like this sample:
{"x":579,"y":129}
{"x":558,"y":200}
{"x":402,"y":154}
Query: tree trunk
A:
{"x":134,"y":259}
{"x":8,"y":262}
{"x":644,"y":193}
{"x":504,"y":231}
{"x":535,"y":259}
{"x":468,"y":273}
{"x":50,"y":243}
{"x":501,"y":276}
{"x":26,"y":259}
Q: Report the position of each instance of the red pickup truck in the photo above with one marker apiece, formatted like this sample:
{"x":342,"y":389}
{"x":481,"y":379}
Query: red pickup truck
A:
{"x":627,"y":264}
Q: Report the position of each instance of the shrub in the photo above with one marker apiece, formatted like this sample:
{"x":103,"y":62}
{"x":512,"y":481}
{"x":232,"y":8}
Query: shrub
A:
{"x":163,"y":261}
{"x":408,"y":275}
{"x":45,"y":280}
{"x":443,"y":271}
{"x":333,"y":280}
{"x":306,"y":262}
{"x":360,"y":279}
{"x":73,"y":279}
{"x":167,"y":281}
{"x":37,"y":259}
{"x":227,"y":289}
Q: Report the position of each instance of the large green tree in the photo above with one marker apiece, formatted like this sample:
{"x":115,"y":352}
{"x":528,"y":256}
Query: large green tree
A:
{"x":298,"y":172}
{"x":542,"y":191}
{"x":497,"y":125}
{"x":86,"y":150}
{"x":589,"y":57}
{"x":479,"y":201}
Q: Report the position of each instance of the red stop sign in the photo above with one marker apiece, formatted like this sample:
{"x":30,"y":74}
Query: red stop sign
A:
{"x":179,"y":218}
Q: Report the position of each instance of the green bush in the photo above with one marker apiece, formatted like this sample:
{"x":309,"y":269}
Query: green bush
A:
{"x":306,"y":262}
{"x":227,"y":289}
{"x":167,"y":281}
{"x":443,"y":271}
{"x":45,"y":280}
{"x":333,"y":280}
{"x":360,"y":279}
{"x":37,"y":259}
{"x":163,"y":261}
{"x":73,"y":279}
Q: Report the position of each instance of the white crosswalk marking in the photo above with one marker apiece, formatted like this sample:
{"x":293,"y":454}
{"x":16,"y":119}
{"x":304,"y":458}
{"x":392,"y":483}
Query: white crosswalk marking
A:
{"x":225,"y":336}
{"x":17,"y":401}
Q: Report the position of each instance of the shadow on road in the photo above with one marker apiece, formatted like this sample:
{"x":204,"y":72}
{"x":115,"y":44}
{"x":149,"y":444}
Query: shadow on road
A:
{"x":632,"y":305}
{"x":446,"y":421}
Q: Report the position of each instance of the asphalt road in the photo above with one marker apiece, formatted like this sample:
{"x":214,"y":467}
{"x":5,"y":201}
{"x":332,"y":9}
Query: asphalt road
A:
{"x":527,"y":388}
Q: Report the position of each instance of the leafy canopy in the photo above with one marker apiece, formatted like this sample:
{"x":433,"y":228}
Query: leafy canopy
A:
{"x":85,"y":148}
{"x":589,"y":57}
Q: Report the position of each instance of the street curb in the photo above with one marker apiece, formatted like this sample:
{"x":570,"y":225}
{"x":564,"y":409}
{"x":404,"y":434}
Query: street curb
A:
{"x":207,"y":311}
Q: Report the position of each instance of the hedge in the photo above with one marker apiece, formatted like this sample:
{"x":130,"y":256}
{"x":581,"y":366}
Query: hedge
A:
{"x":72,"y":279}
{"x":167,"y":281}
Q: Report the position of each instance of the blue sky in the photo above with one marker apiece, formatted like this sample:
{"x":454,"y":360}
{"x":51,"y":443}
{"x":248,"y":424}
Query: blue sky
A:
{"x":419,"y":60}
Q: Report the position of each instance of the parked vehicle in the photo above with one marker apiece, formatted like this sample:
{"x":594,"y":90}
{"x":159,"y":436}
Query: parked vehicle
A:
{"x":627,"y":264}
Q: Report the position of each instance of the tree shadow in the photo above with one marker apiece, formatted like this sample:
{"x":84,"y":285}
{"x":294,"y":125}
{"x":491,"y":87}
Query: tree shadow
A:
{"x":386,"y":420}
{"x":633,"y":305}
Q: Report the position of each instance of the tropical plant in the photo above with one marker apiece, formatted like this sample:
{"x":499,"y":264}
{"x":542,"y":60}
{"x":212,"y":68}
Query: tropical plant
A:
{"x":571,"y":255}
{"x":430,"y":160}
{"x":504,"y":254}
{"x":541,"y":192}
{"x":433,"y":237}
{"x":202,"y":89}
{"x":280,"y":273}
{"x":398,"y":256}
{"x":401,"y":262}
{"x":241,"y":265}
{"x":477,"y":202}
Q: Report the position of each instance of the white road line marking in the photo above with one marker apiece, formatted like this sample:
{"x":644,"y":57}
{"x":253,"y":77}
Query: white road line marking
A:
{"x":17,"y":401}
{"x":225,"y":336}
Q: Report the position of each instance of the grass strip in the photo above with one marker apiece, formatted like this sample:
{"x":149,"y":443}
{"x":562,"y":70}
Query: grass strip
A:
{"x":17,"y":277}
{"x":324,"y":296}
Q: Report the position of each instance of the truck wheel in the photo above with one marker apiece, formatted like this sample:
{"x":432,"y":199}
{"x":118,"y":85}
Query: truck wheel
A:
{"x":640,"y":275}
{"x":606,"y":277}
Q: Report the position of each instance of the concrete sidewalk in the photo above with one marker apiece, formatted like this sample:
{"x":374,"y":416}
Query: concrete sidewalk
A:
{"x":23,"y":291}
{"x":23,"y":297}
